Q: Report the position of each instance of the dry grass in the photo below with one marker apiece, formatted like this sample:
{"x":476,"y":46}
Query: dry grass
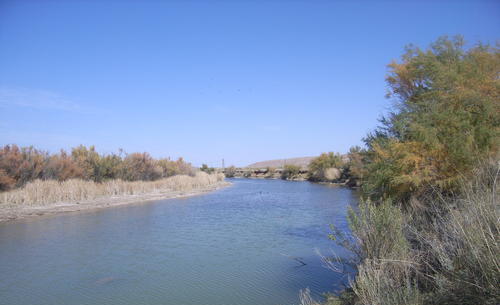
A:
{"x":45,"y":192}
{"x":444,"y":251}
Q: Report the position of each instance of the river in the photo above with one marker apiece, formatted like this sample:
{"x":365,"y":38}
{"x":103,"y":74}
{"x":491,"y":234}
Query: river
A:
{"x":241,"y":245}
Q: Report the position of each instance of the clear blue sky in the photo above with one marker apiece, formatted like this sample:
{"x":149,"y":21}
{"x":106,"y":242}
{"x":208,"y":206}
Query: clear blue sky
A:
{"x":206,"y":80}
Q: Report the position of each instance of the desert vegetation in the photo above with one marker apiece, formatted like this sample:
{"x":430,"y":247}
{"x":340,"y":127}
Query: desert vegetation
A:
{"x":290,"y":172}
{"x":46,"y":192}
{"x":206,"y":169}
{"x":230,"y":171}
{"x":326,"y":167}
{"x":427,"y":231}
{"x":18,"y":166}
{"x":36,"y":182}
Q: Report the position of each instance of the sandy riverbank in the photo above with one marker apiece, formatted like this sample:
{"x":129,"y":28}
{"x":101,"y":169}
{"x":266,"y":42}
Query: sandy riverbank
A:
{"x":10,"y":212}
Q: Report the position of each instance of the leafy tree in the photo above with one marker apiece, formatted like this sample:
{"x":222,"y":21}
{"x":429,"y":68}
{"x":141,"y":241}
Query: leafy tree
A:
{"x":446,"y":119}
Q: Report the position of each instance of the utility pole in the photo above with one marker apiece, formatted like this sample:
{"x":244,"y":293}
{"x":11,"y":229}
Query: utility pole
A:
{"x":222,"y":164}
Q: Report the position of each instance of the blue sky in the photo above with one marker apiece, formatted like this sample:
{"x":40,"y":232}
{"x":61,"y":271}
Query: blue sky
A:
{"x":240,"y":80}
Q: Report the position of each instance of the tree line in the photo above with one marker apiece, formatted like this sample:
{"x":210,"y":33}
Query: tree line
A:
{"x":21,"y":165}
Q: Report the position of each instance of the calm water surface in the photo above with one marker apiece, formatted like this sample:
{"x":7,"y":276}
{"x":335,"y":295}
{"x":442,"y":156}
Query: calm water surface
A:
{"x":230,"y":247}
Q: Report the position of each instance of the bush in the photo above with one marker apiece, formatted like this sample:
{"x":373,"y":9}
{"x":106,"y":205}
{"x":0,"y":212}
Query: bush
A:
{"x":290,"y":172}
{"x":431,"y":233}
{"x":463,"y":242}
{"x":230,"y":171}
{"x":270,"y":172}
{"x":206,"y":169}
{"x":19,"y":166}
{"x":319,"y":166}
{"x":178,"y":167}
{"x":355,"y":168}
{"x":62,"y":167}
{"x":140,"y":166}
{"x":446,"y":119}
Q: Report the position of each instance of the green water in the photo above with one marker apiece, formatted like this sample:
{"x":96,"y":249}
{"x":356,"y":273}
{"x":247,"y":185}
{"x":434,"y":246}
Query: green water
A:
{"x":230,"y":247}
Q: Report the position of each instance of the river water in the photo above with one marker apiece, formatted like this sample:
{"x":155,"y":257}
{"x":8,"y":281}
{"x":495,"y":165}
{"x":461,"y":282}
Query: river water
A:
{"x":236,"y":246}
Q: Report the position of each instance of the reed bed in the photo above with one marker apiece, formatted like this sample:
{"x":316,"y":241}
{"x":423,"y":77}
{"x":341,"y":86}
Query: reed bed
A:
{"x":45,"y":192}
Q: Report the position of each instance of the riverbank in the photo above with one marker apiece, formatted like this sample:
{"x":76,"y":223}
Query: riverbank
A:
{"x":52,"y":197}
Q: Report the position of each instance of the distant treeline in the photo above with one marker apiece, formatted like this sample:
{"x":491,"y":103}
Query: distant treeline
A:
{"x":21,"y":165}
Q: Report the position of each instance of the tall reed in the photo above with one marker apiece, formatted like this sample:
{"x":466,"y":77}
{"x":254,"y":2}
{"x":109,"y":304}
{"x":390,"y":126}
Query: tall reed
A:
{"x":44,"y":192}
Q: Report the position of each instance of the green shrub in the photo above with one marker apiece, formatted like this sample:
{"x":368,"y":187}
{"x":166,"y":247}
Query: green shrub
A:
{"x":446,"y":119}
{"x":230,"y":171}
{"x":439,"y":244}
{"x":355,"y":168}
{"x":206,"y":169}
{"x":290,"y":172}
{"x":319,"y":165}
{"x":270,"y":172}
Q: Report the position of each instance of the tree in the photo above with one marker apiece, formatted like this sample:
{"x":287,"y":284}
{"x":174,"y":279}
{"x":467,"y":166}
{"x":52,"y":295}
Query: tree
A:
{"x":446,"y":119}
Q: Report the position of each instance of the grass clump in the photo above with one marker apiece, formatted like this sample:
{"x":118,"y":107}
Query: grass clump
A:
{"x":447,"y":254}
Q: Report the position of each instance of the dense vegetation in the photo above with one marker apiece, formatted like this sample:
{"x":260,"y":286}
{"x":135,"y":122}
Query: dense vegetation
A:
{"x":21,"y":165}
{"x":290,"y":172}
{"x":206,"y":169}
{"x":428,"y":230}
{"x":445,"y":120}
{"x":46,"y":192}
{"x":320,"y":168}
{"x":230,"y":171}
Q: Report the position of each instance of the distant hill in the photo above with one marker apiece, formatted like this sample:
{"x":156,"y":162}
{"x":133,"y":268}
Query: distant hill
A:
{"x":302,"y":162}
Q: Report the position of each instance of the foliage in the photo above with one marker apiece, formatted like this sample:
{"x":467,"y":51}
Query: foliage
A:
{"x":270,"y":172}
{"x":178,"y":167}
{"x":430,"y":234}
{"x":444,"y":254}
{"x":318,"y":166}
{"x":355,"y":167}
{"x":62,"y":167}
{"x":463,"y":242}
{"x":447,"y":117}
{"x":378,"y":229}
{"x":206,"y":169}
{"x":230,"y":171}
{"x":290,"y":171}
{"x":19,"y":166}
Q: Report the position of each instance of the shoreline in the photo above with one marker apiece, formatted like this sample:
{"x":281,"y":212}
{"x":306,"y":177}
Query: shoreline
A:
{"x":14,"y":213}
